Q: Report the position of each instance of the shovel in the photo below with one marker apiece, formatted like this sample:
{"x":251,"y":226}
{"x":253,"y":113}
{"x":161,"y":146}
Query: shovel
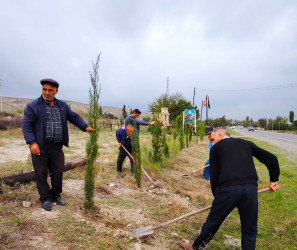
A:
{"x":143,"y":231}
{"x":195,"y":170}
{"x":146,"y":174}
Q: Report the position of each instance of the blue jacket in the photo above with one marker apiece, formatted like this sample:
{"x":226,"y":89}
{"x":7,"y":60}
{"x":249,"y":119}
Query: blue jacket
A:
{"x":34,"y":122}
{"x":123,"y":138}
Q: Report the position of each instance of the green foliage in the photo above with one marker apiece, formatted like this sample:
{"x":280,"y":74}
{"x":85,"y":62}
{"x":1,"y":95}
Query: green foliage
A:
{"x":190,"y":132}
{"x":178,"y":124}
{"x":175,"y":103}
{"x":174,"y":133}
{"x":164,"y":143}
{"x":187,"y":135}
{"x":201,"y":131}
{"x":219,"y":122}
{"x":100,"y":111}
{"x":122,"y":121}
{"x":109,"y":116}
{"x":20,"y":111}
{"x":146,"y":119}
{"x":124,"y":112}
{"x":291,"y":116}
{"x":136,"y":152}
{"x":92,"y":144}
{"x":280,"y":123}
{"x":159,"y":141}
{"x":262,"y":122}
{"x":181,"y":139}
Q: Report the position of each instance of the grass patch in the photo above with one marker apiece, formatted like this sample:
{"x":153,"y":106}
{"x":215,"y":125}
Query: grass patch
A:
{"x":71,"y":228}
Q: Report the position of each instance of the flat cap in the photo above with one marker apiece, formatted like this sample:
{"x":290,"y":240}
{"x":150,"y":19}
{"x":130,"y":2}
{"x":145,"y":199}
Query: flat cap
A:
{"x":50,"y":82}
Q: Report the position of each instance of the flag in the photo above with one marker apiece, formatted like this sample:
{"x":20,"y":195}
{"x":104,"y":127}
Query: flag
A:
{"x":208,"y":102}
{"x":205,"y":101}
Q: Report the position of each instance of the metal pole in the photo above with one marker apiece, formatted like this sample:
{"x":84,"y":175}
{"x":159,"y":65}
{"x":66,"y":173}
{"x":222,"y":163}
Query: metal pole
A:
{"x":1,"y":86}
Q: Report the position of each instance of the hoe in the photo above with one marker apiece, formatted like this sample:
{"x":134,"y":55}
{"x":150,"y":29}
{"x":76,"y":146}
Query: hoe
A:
{"x":143,"y":231}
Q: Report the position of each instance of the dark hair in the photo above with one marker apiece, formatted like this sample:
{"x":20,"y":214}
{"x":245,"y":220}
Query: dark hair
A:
{"x":136,"y":111}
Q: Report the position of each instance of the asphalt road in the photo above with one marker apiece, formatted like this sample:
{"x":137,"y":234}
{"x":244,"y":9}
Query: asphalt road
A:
{"x":282,"y":140}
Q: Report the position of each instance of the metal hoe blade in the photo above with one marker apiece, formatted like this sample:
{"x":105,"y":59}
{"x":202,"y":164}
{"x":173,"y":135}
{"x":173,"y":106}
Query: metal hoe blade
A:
{"x":142,"y":231}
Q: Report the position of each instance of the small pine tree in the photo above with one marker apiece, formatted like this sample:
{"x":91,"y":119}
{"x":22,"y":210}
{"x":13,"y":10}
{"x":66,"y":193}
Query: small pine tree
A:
{"x":174,"y":134}
{"x":164,"y":143}
{"x":190,"y":132}
{"x":92,"y":144}
{"x":291,"y":116}
{"x":202,"y":131}
{"x":180,"y":129}
{"x":124,"y":112}
{"x":187,"y":135}
{"x":157,"y":144}
{"x":181,"y":139}
{"x":136,"y":153}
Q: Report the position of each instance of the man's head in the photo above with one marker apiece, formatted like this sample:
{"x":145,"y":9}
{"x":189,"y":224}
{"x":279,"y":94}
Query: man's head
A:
{"x":218,"y":134}
{"x":49,"y":89}
{"x":209,"y":135}
{"x":136,"y":113}
{"x":129,"y":129}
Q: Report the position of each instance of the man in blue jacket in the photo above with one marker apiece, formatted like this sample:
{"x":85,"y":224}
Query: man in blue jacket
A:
{"x":123,"y":136}
{"x":45,"y":131}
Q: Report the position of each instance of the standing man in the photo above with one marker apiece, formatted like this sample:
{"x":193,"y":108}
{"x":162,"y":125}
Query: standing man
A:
{"x":132,"y":119}
{"x":234,"y":182}
{"x":45,"y":130}
{"x":124,"y":140}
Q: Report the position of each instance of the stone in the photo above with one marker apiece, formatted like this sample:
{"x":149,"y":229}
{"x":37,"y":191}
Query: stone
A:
{"x":27,"y":204}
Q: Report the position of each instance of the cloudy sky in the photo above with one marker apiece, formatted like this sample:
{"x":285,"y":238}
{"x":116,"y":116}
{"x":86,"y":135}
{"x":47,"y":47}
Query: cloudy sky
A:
{"x":243,"y":54}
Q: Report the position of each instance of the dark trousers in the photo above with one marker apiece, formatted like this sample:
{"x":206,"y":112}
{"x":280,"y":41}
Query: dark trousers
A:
{"x":52,"y":161}
{"x":245,"y":198}
{"x":121,"y":157}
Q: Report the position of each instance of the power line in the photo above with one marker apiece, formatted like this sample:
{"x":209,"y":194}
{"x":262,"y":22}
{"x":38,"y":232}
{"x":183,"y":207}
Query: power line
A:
{"x":273,"y":87}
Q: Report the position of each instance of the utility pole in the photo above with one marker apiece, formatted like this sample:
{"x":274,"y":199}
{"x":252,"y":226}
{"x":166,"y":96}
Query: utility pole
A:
{"x":167,"y":88}
{"x":194,"y":96}
{"x":1,"y":88}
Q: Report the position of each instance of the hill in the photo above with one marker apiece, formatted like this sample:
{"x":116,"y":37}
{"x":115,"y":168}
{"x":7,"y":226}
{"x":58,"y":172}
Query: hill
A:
{"x":14,"y":103}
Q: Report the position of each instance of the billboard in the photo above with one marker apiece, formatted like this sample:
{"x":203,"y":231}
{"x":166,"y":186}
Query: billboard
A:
{"x":190,"y":117}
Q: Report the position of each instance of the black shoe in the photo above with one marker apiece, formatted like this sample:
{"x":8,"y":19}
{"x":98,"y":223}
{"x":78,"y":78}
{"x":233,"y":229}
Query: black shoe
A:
{"x":59,"y":201}
{"x":47,"y":205}
{"x":133,"y":170}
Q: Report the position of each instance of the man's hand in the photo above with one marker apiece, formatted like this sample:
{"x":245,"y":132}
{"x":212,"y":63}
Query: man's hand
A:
{"x":89,"y":129}
{"x":152,"y":123}
{"x":273,"y":186}
{"x":35,"y":149}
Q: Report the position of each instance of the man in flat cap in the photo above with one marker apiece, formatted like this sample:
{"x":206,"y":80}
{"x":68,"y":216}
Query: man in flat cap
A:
{"x":45,"y":130}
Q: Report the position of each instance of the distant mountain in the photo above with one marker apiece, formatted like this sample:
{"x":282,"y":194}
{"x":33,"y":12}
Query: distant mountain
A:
{"x":13,"y":103}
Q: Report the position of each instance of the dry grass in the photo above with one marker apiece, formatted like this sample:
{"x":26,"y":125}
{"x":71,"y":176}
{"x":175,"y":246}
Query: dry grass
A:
{"x":120,"y":205}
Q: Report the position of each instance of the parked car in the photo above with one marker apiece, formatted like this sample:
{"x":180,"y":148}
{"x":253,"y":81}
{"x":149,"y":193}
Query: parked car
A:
{"x":251,"y":129}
